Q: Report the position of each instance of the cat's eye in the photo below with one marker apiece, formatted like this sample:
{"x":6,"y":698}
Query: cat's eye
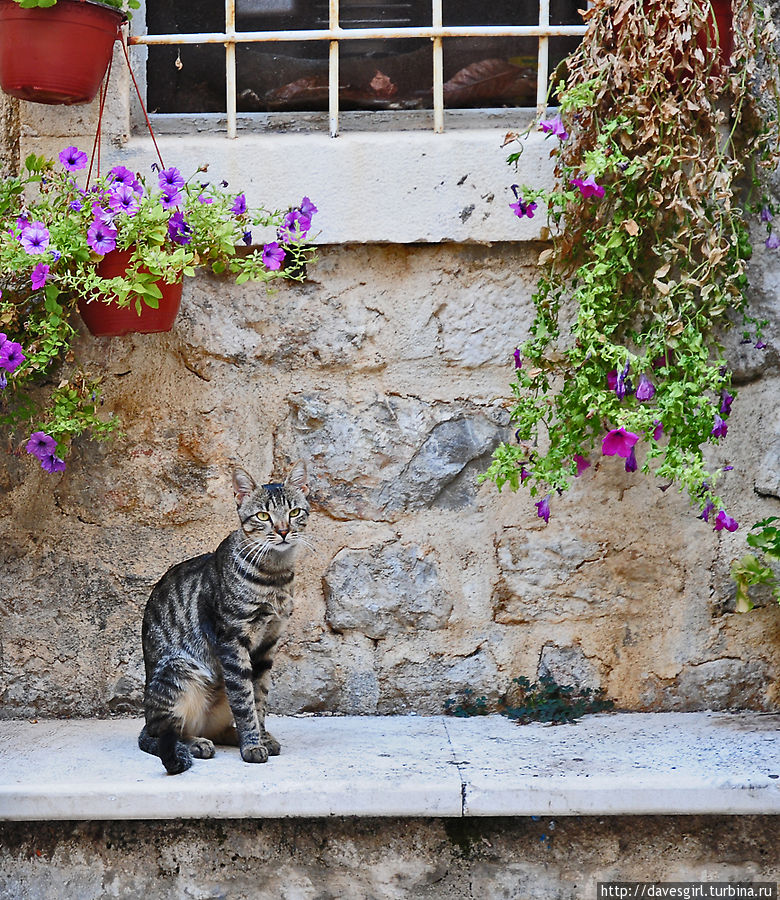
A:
{"x":263,"y":516}
{"x":295,"y":512}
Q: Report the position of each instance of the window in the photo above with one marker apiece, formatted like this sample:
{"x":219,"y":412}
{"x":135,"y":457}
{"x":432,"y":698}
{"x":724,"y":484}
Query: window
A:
{"x":411,"y":57}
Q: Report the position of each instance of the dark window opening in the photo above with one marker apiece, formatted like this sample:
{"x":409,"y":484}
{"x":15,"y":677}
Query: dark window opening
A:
{"x":479,"y":72}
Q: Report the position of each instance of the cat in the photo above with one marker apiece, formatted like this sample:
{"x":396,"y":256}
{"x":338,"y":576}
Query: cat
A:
{"x":212,"y":625}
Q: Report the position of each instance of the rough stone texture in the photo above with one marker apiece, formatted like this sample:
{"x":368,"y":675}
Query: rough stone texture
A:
{"x":568,"y":665}
{"x":384,"y":591}
{"x":422,"y":582}
{"x":424,"y":859}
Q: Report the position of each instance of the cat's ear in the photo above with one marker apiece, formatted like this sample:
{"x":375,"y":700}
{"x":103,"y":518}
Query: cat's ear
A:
{"x":243,"y":485}
{"x":298,"y":479}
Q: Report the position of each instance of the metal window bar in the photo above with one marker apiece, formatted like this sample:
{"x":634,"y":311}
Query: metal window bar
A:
{"x":335,"y":33}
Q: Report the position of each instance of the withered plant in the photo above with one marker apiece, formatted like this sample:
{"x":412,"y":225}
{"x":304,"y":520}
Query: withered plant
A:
{"x":657,"y":119}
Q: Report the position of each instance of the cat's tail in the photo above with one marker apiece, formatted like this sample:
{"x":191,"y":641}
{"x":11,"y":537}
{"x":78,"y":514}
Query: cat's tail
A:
{"x":174,"y":754}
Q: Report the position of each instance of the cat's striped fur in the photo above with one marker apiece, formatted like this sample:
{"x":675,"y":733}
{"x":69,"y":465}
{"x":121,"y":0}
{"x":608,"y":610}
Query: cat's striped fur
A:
{"x":212,"y":625}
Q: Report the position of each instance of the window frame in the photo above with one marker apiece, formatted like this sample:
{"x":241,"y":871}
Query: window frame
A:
{"x":335,"y":34}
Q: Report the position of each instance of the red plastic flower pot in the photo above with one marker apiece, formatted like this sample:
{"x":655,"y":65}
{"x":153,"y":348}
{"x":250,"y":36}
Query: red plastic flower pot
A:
{"x":56,"y":54}
{"x":109,"y":320}
{"x":724,"y":19}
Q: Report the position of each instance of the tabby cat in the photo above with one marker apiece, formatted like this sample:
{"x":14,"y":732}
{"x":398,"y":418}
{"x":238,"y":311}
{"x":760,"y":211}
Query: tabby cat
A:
{"x":212,"y":625}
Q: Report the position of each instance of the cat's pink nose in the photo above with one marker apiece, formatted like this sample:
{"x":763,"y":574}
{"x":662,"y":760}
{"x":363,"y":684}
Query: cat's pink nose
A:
{"x":282,"y":532}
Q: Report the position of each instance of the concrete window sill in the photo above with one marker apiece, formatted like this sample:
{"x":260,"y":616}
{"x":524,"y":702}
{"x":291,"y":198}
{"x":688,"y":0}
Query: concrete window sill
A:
{"x":370,"y":187}
{"x":608,"y":764}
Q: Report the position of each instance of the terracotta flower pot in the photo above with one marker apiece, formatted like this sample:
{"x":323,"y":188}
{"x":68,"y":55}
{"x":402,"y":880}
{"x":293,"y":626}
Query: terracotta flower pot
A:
{"x":108,"y":320}
{"x":56,"y":54}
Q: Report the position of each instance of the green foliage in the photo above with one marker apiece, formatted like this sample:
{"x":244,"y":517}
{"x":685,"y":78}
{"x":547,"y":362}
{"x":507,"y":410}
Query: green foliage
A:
{"x":123,"y":5}
{"x":640,"y":282}
{"x":541,"y":701}
{"x":750,"y":570}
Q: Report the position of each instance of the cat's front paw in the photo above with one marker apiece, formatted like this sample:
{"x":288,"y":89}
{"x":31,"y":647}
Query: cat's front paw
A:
{"x":201,"y":748}
{"x":254,"y":753}
{"x":272,"y":745}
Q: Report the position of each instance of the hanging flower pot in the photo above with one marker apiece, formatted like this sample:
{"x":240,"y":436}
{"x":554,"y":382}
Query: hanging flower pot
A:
{"x":109,"y":320}
{"x":56,"y":54}
{"x":724,"y":20}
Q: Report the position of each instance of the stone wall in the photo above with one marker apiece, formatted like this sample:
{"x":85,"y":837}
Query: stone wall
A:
{"x":387,"y":372}
{"x":388,"y":859}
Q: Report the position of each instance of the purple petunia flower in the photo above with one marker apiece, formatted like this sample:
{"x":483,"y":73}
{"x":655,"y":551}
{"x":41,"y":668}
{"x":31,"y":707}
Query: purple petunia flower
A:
{"x":705,"y":513}
{"x":554,"y":126}
{"x":308,"y":209}
{"x":518,"y":358}
{"x":105,"y":215}
{"x":11,"y":356}
{"x":170,"y":198}
{"x":35,"y":238}
{"x":101,"y":236}
{"x":171,"y":179}
{"x":178,"y":229}
{"x":645,"y":390}
{"x":724,"y":521}
{"x":122,"y":175}
{"x":720,"y":428}
{"x":294,"y":227}
{"x":521,"y":208}
{"x":41,"y":444}
{"x":76,"y":205}
{"x":766,"y":214}
{"x":759,"y":345}
{"x":124,"y":200}
{"x":202,"y":198}
{"x":621,"y":383}
{"x":618,"y":442}
{"x":239,"y":205}
{"x":658,"y":429}
{"x":773,"y":241}
{"x":543,"y":508}
{"x":588,"y":187}
{"x":246,"y":237}
{"x":581,"y":464}
{"x":73,"y":159}
{"x":631,"y":461}
{"x":524,"y":474}
{"x":39,"y":275}
{"x":273,"y":256}
{"x":725,"y":403}
{"x":52,"y":463}
{"x":612,"y":378}
{"x":3,"y":381}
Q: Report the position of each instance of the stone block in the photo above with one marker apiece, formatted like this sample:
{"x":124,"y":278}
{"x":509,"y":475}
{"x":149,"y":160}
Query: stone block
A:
{"x":384,"y":456}
{"x":568,"y":666}
{"x":385,"y":590}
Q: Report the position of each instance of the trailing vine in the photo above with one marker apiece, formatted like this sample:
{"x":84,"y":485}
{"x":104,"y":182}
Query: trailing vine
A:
{"x":649,"y":244}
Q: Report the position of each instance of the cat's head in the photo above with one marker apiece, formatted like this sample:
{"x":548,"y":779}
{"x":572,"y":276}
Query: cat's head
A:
{"x":274,"y":515}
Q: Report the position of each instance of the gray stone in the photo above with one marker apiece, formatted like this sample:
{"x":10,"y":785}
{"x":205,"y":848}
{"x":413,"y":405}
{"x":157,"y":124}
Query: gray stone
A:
{"x":768,"y":474}
{"x":424,"y":685}
{"x":446,"y":451}
{"x":378,"y":859}
{"x":568,"y":665}
{"x":722,"y":684}
{"x":384,"y":456}
{"x":303,"y":685}
{"x":360,"y":694}
{"x":385,"y":590}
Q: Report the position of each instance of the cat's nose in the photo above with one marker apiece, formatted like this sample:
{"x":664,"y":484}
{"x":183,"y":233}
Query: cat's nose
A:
{"x":282,"y":532}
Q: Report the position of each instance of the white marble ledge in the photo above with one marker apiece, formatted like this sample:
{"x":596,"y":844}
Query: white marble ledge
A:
{"x":608,"y":764}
